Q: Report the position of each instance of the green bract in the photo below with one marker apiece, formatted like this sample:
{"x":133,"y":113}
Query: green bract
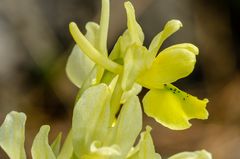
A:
{"x":107,"y":117}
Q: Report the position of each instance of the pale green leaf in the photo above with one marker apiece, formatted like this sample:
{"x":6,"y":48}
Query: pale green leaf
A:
{"x":90,"y":118}
{"x":171,"y":64}
{"x":12,"y":135}
{"x":40,"y":148}
{"x":174,"y":108}
{"x":57,"y":144}
{"x":192,"y":155}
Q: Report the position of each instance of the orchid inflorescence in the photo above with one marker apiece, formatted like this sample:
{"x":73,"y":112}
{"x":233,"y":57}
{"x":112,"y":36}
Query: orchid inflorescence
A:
{"x":107,"y":117}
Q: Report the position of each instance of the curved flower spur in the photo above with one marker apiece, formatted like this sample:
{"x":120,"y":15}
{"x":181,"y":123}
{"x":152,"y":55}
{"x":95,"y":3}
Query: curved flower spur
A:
{"x":107,"y":117}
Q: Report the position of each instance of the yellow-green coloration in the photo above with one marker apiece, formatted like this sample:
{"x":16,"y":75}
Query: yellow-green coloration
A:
{"x":173,"y":108}
{"x":192,"y":155}
{"x":12,"y":135}
{"x":107,"y":117}
{"x":148,"y":68}
{"x":170,"y":65}
{"x":40,"y":147}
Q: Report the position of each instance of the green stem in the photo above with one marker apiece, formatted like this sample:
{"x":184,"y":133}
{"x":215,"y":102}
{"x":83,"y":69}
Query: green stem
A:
{"x":116,"y":98}
{"x":104,"y":22}
{"x":102,"y":34}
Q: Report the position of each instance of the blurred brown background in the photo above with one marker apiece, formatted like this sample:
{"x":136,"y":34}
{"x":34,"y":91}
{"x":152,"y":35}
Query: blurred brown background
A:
{"x":35,"y":43}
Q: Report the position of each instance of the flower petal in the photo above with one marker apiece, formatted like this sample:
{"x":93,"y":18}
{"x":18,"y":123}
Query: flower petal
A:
{"x":145,"y":148}
{"x":78,"y":66}
{"x":57,"y":144}
{"x":171,"y":64}
{"x":128,"y":125}
{"x":89,"y":50}
{"x":107,"y":151}
{"x":173,"y":108}
{"x":90,"y":118}
{"x":171,"y":27}
{"x":135,"y":31}
{"x":12,"y":135}
{"x":192,"y":155}
{"x":135,"y":90}
{"x":40,"y":148}
{"x":67,"y":148}
{"x":92,"y":33}
{"x":133,"y":35}
{"x":103,"y":30}
{"x":136,"y":61}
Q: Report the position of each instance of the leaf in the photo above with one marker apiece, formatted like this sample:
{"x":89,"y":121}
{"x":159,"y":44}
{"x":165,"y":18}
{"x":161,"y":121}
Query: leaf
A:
{"x":12,"y":135}
{"x":56,"y":144}
{"x":192,"y":155}
{"x":90,"y":118}
{"x":40,"y":148}
{"x":145,"y":148}
{"x":171,"y":64}
{"x":174,"y":108}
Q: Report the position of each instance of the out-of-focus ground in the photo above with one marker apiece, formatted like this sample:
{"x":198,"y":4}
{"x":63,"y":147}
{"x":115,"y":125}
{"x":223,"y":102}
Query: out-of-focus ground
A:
{"x":35,"y":43}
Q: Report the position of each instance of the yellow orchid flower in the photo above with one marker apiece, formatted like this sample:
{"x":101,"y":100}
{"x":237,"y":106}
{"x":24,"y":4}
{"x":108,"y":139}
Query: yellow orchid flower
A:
{"x":107,"y":116}
{"x":134,"y":63}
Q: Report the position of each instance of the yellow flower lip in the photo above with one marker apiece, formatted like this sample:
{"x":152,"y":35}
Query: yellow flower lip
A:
{"x":174,"y":108}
